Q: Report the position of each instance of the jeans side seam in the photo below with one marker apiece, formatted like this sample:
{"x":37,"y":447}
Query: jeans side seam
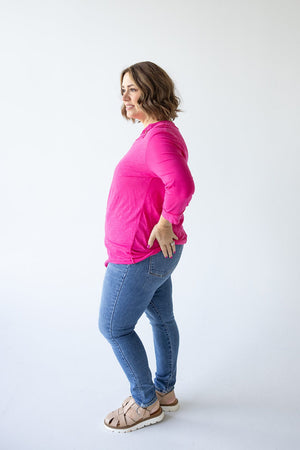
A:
{"x":169,"y":341}
{"x":116,"y":300}
{"x":111,"y":333}
{"x":114,"y":340}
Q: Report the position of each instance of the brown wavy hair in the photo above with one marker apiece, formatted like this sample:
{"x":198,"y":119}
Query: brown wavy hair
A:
{"x":158,"y":99}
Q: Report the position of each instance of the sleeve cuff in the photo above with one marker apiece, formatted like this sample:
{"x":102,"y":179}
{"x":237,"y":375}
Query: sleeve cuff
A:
{"x":173,"y":218}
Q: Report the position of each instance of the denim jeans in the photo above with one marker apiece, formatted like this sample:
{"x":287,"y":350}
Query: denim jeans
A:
{"x":129,"y":290}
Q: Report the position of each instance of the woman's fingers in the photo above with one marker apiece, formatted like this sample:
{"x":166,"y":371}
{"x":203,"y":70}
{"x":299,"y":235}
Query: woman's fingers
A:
{"x":151,"y":239}
{"x":164,"y":250}
{"x":168,"y":250}
{"x":173,"y":247}
{"x":164,"y":237}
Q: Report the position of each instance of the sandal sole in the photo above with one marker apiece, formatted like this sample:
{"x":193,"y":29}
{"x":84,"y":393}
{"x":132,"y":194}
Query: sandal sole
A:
{"x":139,"y":425}
{"x":170,"y":408}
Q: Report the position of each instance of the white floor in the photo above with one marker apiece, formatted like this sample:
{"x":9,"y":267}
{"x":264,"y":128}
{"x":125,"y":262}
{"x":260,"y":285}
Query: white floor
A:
{"x":60,"y":379}
{"x":35,"y":418}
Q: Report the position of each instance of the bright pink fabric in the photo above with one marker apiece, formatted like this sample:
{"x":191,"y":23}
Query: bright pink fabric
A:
{"x":153,"y":178}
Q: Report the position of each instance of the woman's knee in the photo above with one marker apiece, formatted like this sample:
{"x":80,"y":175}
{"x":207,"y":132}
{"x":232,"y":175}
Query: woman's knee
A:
{"x":113,"y":329}
{"x":155,"y":318}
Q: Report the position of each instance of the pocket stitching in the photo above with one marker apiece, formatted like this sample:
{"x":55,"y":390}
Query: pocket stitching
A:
{"x":151,"y":270}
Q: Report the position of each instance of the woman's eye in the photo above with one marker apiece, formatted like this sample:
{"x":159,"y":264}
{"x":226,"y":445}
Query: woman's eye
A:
{"x":131,"y":89}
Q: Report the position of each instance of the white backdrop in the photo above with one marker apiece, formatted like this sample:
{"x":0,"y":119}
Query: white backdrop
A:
{"x":236,"y":67}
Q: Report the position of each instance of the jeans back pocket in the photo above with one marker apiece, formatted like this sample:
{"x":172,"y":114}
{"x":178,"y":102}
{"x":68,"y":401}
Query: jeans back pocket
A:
{"x":160,"y":266}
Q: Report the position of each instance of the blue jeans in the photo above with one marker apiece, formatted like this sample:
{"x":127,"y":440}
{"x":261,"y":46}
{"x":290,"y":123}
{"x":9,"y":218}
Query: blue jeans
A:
{"x":129,"y":290}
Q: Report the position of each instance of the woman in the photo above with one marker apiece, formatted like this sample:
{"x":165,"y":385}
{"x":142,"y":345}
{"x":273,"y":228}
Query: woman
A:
{"x":151,"y":187}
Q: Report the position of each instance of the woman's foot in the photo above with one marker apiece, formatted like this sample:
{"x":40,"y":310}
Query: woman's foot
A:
{"x":131,"y":416}
{"x":168,"y":402}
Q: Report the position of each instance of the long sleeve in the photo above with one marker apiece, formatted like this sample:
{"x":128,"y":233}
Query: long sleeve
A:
{"x":166,"y":157}
{"x":152,"y":179}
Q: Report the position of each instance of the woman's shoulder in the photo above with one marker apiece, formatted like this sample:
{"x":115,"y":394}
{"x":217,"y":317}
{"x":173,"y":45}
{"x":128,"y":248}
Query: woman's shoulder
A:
{"x":165,"y":130}
{"x":163,"y":126}
{"x":166,"y":138}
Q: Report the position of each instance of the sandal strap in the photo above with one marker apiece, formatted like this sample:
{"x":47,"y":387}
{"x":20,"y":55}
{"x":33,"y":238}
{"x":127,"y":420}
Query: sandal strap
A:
{"x":166,"y":399}
{"x":126,"y":401}
{"x":128,"y":414}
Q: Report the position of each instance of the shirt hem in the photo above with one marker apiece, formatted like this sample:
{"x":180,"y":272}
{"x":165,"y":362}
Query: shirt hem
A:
{"x":134,"y":260}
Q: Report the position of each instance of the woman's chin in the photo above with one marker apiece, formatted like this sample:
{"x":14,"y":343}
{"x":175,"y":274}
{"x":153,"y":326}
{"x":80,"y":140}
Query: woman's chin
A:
{"x":129,"y":115}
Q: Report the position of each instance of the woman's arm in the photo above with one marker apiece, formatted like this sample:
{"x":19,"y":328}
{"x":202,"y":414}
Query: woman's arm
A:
{"x":163,"y":233}
{"x":168,"y":161}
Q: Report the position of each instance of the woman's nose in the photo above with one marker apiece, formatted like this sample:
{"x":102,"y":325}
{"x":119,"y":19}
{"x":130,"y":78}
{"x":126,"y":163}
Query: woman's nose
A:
{"x":125,"y":96}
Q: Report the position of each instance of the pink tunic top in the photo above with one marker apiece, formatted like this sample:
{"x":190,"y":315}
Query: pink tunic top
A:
{"x":151,"y":180}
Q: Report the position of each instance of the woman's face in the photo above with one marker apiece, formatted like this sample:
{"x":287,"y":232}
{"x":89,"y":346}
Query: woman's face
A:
{"x":130,"y":95}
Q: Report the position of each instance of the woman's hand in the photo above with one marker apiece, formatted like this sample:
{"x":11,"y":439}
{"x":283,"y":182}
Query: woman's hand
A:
{"x":164,"y":235}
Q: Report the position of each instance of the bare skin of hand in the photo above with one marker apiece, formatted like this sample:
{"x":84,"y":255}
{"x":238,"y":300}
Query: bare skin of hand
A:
{"x":163,"y":233}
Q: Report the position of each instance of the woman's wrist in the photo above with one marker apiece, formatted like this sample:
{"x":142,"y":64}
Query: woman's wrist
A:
{"x":164,"y":223}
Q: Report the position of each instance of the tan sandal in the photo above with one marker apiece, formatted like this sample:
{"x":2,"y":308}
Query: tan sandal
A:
{"x":168,"y":402}
{"x":131,"y":416}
